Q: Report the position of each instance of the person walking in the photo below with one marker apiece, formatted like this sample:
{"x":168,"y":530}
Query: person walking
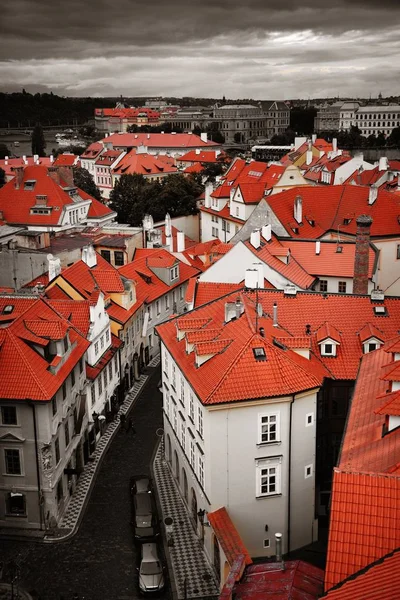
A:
{"x":130,"y":424}
{"x":122,"y":418}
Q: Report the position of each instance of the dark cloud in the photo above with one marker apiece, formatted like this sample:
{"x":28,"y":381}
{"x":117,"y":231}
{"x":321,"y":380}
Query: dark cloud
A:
{"x":182,"y":47}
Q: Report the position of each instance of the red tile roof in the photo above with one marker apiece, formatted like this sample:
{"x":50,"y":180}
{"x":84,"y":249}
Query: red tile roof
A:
{"x":157,"y":140}
{"x":145,"y":164}
{"x":328,"y":262}
{"x":268,"y":581}
{"x":331,"y":204}
{"x":202,"y":156}
{"x":26,"y":374}
{"x":228,"y":536}
{"x":207,"y":291}
{"x":390,"y":404}
{"x":380,"y":580}
{"x":76,"y":311}
{"x":93,"y":371}
{"x":69,"y":160}
{"x":93,"y":150}
{"x":9,"y":165}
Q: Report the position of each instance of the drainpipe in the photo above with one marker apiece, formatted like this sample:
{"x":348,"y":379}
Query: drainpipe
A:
{"x":290,"y":474}
{"x":32,"y":405}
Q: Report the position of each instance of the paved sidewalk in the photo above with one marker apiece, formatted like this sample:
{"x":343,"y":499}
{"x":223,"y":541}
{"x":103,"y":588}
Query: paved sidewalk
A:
{"x":73,"y":514}
{"x":187,"y":559}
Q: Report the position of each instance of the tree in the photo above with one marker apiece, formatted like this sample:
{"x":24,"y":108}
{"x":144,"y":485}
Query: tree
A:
{"x":2,"y":177}
{"x":84,"y":181}
{"x":237,"y":138}
{"x":4,"y":151}
{"x":38,"y":141}
{"x":394,"y":138}
{"x":128,"y":192}
{"x":179,"y":194}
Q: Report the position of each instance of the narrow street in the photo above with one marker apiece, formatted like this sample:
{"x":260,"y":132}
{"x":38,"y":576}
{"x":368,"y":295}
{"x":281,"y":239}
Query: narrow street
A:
{"x":99,"y":562}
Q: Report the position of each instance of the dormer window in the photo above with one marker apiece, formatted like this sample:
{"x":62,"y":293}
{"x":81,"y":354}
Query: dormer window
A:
{"x":174,"y":273}
{"x":327,"y":349}
{"x":29,"y":185}
{"x":65,"y":344}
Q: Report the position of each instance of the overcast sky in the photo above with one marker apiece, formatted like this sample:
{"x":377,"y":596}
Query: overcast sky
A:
{"x":261,"y":49}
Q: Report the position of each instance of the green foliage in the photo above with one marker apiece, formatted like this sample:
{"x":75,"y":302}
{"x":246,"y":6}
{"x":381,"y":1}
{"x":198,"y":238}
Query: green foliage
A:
{"x":212,"y":170}
{"x":4,"y":151}
{"x":84,"y":181}
{"x":283,"y":139}
{"x":302,"y":120}
{"x":394,"y":138}
{"x":133,"y":197}
{"x":72,"y":149}
{"x":2,"y":177}
{"x":38,"y":141}
{"x":165,"y":127}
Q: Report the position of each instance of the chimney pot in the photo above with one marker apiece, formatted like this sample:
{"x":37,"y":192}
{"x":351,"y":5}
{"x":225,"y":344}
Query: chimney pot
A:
{"x":266,"y":232}
{"x":317,"y":247}
{"x":275,"y":315}
{"x":372,"y":195}
{"x":255,"y":238}
{"x":180,"y":241}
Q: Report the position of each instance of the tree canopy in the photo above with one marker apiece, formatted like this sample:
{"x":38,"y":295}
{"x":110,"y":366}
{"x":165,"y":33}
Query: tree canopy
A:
{"x":133,"y":196}
{"x":84,"y":181}
{"x":38,"y":141}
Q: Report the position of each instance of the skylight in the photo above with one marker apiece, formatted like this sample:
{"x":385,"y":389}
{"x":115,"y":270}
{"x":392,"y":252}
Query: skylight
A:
{"x":259,"y":354}
{"x":7,"y":310}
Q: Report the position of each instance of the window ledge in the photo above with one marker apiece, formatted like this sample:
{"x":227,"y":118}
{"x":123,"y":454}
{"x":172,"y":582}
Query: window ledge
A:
{"x":276,"y":443}
{"x":268,"y":496}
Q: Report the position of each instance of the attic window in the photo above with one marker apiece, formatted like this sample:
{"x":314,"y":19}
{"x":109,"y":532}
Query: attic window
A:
{"x":339,"y":249}
{"x":29,"y":185}
{"x":259,"y":354}
{"x":346,"y":221}
{"x":380,"y":311}
{"x":295,"y":229}
{"x":174,"y":273}
{"x":7,"y":310}
{"x":327,"y":350}
{"x":310,"y":221}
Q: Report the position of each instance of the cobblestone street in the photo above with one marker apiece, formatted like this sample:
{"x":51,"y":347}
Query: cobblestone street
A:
{"x":99,"y":562}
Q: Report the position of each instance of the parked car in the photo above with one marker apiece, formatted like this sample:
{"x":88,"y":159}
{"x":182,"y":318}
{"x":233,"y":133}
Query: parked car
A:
{"x":144,"y":511}
{"x":151,"y":571}
{"x":140,"y":484}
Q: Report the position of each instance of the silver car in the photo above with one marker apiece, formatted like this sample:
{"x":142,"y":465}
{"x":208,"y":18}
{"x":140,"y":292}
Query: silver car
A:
{"x":151,"y":572}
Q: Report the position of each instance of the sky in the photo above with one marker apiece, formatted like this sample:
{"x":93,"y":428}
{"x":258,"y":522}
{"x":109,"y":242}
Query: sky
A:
{"x":260,"y":49}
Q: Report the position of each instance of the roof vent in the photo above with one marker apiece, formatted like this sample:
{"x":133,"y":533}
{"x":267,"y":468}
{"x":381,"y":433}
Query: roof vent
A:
{"x":377,"y":295}
{"x":290,"y":290}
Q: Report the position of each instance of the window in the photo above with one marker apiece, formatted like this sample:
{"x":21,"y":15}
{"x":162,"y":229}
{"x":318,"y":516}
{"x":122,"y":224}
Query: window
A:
{"x":308,"y":471}
{"x":166,"y":301}
{"x":107,"y":336}
{"x":201,"y":471}
{"x":12,"y":460}
{"x":81,"y":366}
{"x":65,"y":344}
{"x":191,"y":408}
{"x":110,"y":371}
{"x":269,"y":477}
{"x":105,"y":378}
{"x":9,"y":415}
{"x":150,"y":340}
{"x":100,"y":385}
{"x":54,"y":405}
{"x":200,"y":424}
{"x":118,"y":258}
{"x":371,"y":347}
{"x":214,"y":232}
{"x":15,"y":504}
{"x":398,"y":251}
{"x":183,"y":435}
{"x":102,"y":342}
{"x":149,"y":310}
{"x":57,"y":450}
{"x":173,"y":376}
{"x":181,"y":290}
{"x":174,"y":273}
{"x":96,"y":347}
{"x":158,"y":307}
{"x":92,"y":394}
{"x":66,"y":431}
{"x":175,"y":417}
{"x":192,"y":454}
{"x":60,"y":491}
{"x":64,"y":390}
{"x":342,"y":287}
{"x":309,"y":419}
{"x":323,"y":285}
{"x":106,"y":254}
{"x":73,"y":377}
{"x":327,"y":349}
{"x":269,"y":428}
{"x":267,"y":543}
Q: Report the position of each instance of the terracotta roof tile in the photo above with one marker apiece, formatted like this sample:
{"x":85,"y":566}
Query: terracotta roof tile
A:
{"x":211,"y":347}
{"x":228,"y":536}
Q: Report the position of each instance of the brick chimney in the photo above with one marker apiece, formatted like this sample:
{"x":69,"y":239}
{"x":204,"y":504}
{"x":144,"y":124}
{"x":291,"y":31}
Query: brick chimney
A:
{"x":361,"y":260}
{"x":18,"y":176}
{"x":53,"y":172}
{"x":66,"y":175}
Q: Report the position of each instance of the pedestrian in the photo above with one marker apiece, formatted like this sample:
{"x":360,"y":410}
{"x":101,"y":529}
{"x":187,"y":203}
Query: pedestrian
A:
{"x":130,"y":424}
{"x":122,"y":418}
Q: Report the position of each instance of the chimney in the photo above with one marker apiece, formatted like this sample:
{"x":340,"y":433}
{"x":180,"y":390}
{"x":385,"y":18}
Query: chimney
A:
{"x":24,"y":159}
{"x":207,"y":194}
{"x":372,"y":195}
{"x":255,"y":238}
{"x":314,"y":138}
{"x":54,"y":174}
{"x":309,"y":157}
{"x":383,"y":163}
{"x":251,"y":279}
{"x":266,"y":232}
{"x":298,"y":209}
{"x":54,"y":267}
{"x":89,"y":256}
{"x":334,"y":145}
{"x":203,"y":137}
{"x":361,"y":259}
{"x":168,"y":232}
{"x":51,"y":159}
{"x":18,"y":176}
{"x":278,"y":545}
{"x":197,"y":150}
{"x":239,"y":308}
{"x":180,"y":241}
{"x":275,"y":315}
{"x":317,"y":247}
{"x":35,"y":158}
{"x":67,"y":175}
